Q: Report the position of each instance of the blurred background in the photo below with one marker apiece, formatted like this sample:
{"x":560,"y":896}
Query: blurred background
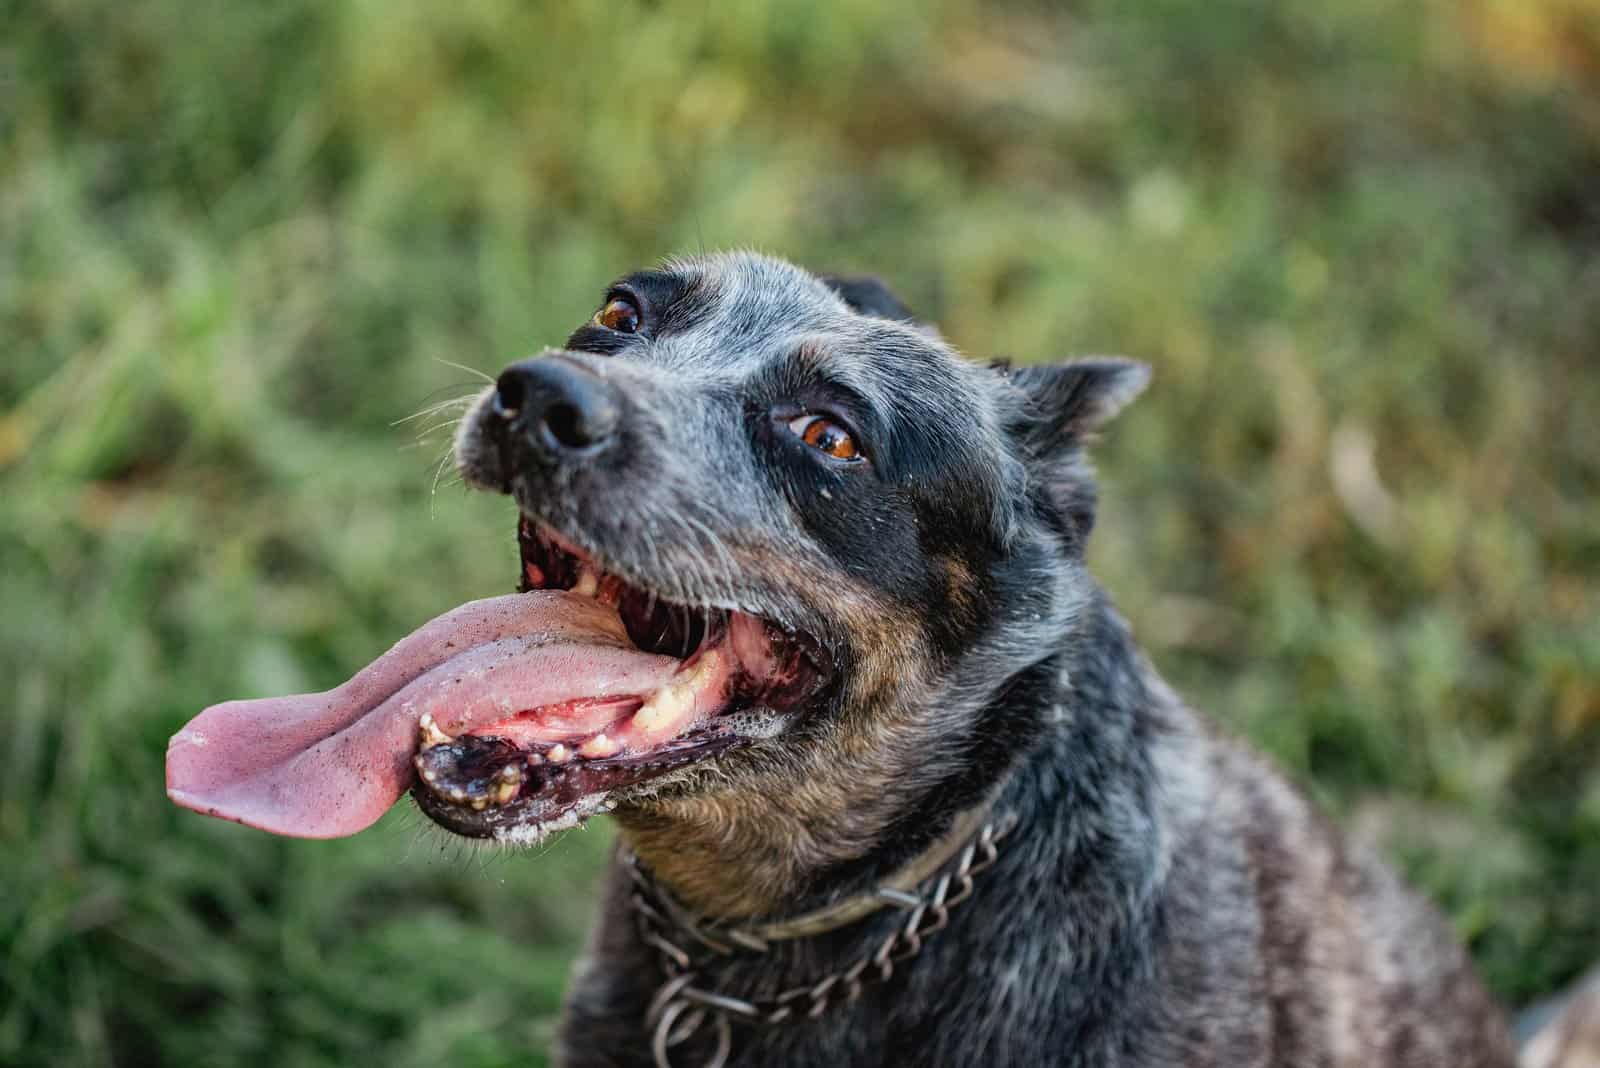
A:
{"x":1357,"y":517}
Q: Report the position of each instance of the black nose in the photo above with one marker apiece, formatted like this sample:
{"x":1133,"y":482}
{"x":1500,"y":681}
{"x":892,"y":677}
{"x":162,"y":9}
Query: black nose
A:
{"x":561,"y":406}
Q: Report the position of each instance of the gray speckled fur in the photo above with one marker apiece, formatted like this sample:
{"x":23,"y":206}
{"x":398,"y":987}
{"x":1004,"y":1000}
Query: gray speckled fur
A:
{"x":1166,"y":899}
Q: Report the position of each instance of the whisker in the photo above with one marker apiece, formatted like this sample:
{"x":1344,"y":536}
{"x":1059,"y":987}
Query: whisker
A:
{"x":463,"y":367}
{"x":666,"y":625}
{"x":425,"y":431}
{"x":714,"y":544}
{"x":433,"y":494}
{"x":464,"y":400}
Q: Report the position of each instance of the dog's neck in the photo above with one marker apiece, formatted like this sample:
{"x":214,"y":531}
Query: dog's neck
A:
{"x":837,"y":825}
{"x":965,"y":849}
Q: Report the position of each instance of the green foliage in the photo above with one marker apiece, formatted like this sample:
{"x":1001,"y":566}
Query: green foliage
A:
{"x":1356,"y":517}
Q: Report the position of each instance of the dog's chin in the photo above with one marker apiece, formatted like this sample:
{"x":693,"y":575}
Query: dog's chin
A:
{"x":740,"y":680}
{"x":558,"y":796}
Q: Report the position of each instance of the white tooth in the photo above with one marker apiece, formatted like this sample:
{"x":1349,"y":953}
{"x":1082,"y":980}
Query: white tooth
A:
{"x":599,"y":746}
{"x":663,"y":710}
{"x":430,"y":732}
{"x":558,"y":754}
{"x":664,"y":713}
{"x":508,"y":780}
{"x":588,"y":583}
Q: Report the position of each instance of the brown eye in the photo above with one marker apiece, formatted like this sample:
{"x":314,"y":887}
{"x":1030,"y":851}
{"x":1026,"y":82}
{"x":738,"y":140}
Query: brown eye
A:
{"x":619,"y":314}
{"x":826,"y":436}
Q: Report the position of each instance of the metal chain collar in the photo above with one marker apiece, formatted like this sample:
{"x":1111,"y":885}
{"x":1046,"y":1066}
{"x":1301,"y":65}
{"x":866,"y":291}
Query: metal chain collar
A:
{"x":682,"y":1006}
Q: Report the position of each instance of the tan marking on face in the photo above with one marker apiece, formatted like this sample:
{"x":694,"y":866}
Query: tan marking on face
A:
{"x":743,"y":840}
{"x":960,"y":586}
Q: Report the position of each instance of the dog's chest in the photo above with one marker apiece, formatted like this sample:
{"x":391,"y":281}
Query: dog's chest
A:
{"x":990,"y":988}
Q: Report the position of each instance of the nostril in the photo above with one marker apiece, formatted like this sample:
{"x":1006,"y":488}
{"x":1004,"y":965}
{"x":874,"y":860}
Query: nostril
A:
{"x":558,"y":406}
{"x":567,"y":425}
{"x":509,"y":395}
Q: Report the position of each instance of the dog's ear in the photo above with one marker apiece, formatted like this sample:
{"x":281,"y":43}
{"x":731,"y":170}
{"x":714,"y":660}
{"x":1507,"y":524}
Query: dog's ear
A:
{"x":1059,"y":409}
{"x":868,"y":295}
{"x":1063,"y":404}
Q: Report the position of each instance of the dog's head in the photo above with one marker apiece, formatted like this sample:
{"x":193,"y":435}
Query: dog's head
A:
{"x":853,"y":537}
{"x":782,"y":550}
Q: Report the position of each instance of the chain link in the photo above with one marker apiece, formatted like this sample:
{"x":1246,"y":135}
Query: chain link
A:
{"x":681,"y":1006}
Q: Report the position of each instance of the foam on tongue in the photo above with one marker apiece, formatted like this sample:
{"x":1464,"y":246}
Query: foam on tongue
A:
{"x":325,"y":765}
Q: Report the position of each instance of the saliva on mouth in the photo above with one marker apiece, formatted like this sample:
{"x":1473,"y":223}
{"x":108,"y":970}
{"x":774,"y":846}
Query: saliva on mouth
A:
{"x":734,"y":678}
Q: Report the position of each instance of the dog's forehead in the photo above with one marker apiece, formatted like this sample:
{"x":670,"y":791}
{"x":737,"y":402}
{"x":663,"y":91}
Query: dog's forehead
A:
{"x":749,"y":290}
{"x":728,"y":315}
{"x":734,"y":314}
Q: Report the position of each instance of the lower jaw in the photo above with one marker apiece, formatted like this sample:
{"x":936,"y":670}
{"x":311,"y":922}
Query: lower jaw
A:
{"x":555,"y":797}
{"x":520,"y":823}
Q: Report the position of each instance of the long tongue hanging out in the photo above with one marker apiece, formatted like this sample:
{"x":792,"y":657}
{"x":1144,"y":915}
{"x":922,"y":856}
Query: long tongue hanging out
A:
{"x":326,"y":765}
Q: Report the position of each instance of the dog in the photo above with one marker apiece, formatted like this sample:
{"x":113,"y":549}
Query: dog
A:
{"x":807,"y":593}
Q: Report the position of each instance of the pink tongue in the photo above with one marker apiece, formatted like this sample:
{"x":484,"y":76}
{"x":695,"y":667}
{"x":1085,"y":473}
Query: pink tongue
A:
{"x":325,"y":765}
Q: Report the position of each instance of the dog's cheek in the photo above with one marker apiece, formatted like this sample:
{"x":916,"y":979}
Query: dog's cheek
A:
{"x":873,"y":536}
{"x":890,"y":662}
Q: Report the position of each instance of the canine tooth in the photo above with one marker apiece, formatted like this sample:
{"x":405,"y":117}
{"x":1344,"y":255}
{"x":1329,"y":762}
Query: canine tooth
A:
{"x":672,"y":703}
{"x":430,"y":732}
{"x":558,"y":754}
{"x":588,"y":582}
{"x":664,"y":709}
{"x":600,"y":745}
{"x":429,"y":775}
{"x":480,"y":803}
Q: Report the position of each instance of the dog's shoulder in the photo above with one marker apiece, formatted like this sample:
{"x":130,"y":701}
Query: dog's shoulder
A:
{"x":1340,"y":963}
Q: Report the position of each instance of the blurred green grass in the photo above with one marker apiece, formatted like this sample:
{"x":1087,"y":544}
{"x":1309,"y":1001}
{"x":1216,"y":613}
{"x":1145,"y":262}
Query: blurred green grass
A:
{"x":1356,"y":518}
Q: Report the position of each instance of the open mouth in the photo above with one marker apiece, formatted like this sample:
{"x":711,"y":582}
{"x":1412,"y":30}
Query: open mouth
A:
{"x":508,"y":717}
{"x":548,"y":767}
